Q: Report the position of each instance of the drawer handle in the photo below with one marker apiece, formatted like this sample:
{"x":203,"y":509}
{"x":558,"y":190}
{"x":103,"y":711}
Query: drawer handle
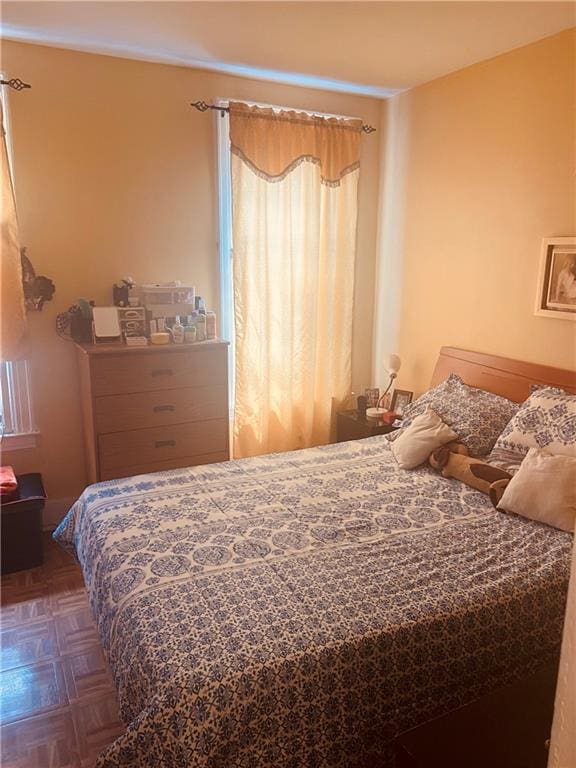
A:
{"x":162,"y":372}
{"x":164,"y":443}
{"x":160,"y":408}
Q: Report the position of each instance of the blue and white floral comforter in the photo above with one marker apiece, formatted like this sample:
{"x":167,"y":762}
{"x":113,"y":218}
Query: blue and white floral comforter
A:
{"x":299,"y":610}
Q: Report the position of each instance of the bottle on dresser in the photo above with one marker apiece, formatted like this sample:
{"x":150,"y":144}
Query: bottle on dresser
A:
{"x":210,"y":325}
{"x":201,"y":327}
{"x":177,"y":331}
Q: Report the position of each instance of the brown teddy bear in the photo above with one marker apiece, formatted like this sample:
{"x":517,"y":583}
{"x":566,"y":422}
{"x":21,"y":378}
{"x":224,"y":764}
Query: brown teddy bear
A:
{"x":452,"y":460}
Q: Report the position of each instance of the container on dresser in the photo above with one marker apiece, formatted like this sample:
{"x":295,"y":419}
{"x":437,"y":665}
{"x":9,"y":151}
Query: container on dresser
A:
{"x":152,"y":408}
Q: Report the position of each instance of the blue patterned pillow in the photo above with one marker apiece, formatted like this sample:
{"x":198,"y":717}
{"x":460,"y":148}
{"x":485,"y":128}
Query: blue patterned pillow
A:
{"x":546,"y":420}
{"x":478,"y":417}
{"x":538,"y":387}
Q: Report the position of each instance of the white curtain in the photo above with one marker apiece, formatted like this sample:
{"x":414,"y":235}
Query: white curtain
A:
{"x":294,"y":200}
{"x":12,"y":310}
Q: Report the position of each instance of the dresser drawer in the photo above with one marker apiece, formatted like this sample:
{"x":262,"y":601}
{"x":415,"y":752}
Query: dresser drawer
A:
{"x":116,"y":413}
{"x":160,"y":466}
{"x":119,"y":374}
{"x":148,"y":446}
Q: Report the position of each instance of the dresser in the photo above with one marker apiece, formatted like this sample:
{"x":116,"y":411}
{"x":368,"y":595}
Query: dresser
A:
{"x":151,"y":408}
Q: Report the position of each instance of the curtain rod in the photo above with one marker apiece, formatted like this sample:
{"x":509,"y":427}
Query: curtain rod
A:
{"x":15,"y":83}
{"x":202,"y":106}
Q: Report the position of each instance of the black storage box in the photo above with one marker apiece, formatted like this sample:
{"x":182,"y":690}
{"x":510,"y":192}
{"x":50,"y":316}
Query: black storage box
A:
{"x":22,"y":525}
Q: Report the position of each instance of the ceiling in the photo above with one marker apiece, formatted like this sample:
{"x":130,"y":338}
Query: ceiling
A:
{"x":374,"y":48}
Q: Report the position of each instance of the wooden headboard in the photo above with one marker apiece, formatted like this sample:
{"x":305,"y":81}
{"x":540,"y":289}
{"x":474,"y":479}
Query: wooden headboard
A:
{"x":501,"y":375}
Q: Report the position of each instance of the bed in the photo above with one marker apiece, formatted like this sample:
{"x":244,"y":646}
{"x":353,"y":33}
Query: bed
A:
{"x":299,"y":610}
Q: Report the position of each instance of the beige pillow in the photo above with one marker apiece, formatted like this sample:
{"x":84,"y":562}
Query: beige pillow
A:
{"x":426,"y":433}
{"x":543,"y":489}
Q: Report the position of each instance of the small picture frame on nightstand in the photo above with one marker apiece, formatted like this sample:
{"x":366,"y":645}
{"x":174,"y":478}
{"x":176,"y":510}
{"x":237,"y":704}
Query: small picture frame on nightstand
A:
{"x":371,"y":394}
{"x":400,"y":399}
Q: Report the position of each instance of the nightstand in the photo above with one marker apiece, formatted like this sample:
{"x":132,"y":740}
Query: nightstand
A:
{"x":351,"y":426}
{"x":22,"y":525}
{"x":508,"y":728}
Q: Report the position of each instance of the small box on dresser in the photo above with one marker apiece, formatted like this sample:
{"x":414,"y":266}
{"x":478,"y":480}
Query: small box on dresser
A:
{"x":151,"y":408}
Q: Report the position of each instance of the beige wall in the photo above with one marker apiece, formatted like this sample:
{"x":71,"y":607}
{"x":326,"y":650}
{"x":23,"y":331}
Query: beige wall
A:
{"x":479,"y":167}
{"x":115,"y":175}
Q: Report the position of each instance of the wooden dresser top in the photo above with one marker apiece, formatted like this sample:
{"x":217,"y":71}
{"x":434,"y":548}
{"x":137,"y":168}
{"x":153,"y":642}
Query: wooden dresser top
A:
{"x":94,"y":350}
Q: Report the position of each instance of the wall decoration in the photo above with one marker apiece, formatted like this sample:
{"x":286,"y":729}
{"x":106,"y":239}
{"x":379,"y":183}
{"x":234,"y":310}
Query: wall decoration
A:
{"x":37,"y":289}
{"x":400,"y":399}
{"x":556,"y":296}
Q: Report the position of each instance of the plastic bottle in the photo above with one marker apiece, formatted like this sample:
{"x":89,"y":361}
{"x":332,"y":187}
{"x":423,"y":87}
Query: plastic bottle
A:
{"x":201,"y":328}
{"x":190,"y":334}
{"x":210,"y":325}
{"x":178,"y":332}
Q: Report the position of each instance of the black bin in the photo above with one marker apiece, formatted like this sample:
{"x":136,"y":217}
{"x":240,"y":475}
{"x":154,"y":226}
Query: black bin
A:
{"x":21,"y":532}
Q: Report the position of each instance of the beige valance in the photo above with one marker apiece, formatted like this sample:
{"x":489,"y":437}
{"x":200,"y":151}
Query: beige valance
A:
{"x":331,"y":143}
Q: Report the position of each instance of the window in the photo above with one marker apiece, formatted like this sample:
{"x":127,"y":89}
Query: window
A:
{"x":293,"y":255}
{"x":16,"y":416}
{"x":17,"y":425}
{"x":225,"y":245}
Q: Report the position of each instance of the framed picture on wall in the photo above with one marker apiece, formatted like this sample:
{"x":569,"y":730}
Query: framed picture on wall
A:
{"x":400,"y":399}
{"x":556,"y":293}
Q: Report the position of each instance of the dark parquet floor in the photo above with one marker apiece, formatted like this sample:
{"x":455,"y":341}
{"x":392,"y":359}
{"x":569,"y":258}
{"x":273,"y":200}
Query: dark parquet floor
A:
{"x":58,"y":706}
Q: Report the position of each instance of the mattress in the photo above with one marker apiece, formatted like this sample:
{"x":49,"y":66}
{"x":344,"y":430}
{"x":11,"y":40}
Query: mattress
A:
{"x":301,"y":609}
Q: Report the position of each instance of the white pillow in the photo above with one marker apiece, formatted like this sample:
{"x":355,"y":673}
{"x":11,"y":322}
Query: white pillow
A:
{"x":543,"y":489}
{"x":426,"y":433}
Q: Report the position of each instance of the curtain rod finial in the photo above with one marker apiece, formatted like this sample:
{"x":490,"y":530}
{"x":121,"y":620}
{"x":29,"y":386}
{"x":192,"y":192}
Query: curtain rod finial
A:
{"x":201,"y":106}
{"x":15,"y":83}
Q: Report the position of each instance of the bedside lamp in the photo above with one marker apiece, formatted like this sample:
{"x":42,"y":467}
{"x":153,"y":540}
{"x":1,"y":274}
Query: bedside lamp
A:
{"x":392,"y":365}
